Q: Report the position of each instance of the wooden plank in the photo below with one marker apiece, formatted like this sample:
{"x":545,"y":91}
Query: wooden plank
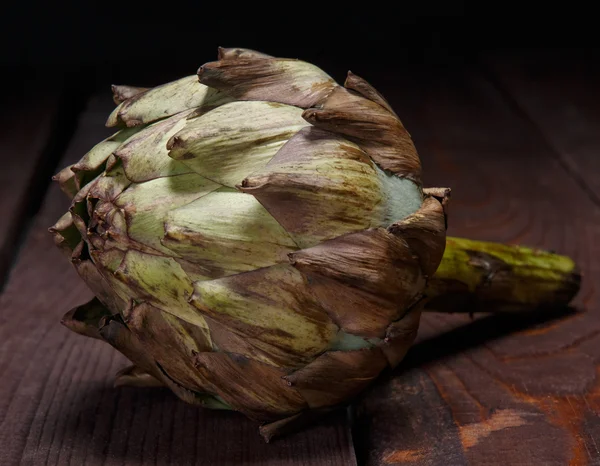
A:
{"x":27,"y":118}
{"x":57,"y":403}
{"x":562,"y":98}
{"x":492,"y":391}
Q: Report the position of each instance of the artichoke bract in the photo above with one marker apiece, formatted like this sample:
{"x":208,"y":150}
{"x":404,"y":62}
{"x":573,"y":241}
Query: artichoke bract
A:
{"x":257,"y":237}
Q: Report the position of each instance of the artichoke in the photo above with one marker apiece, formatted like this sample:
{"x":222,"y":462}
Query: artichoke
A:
{"x":257,"y":238}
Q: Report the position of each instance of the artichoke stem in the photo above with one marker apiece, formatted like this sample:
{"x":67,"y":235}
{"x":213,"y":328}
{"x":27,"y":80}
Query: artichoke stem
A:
{"x":480,"y":276}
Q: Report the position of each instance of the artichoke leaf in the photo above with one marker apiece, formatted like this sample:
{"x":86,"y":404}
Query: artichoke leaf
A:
{"x":364,"y":279}
{"x":401,"y":334}
{"x":114,"y":331}
{"x":85,"y":319}
{"x":123,"y":92}
{"x":225,"y":53}
{"x":273,"y":304}
{"x":164,"y":101}
{"x":425,"y":233}
{"x":320,"y":186}
{"x":226,"y":233}
{"x":357,"y":84}
{"x":145,"y":156}
{"x":248,"y":76}
{"x":151,"y":324}
{"x":65,"y":234}
{"x":94,"y":162}
{"x":230,"y":142}
{"x":337,"y":376}
{"x":230,"y":340}
{"x":66,"y":181}
{"x":146,"y":205}
{"x":110,"y":184}
{"x":161,"y":281}
{"x":100,"y":286}
{"x":107,"y":262}
{"x":133,"y":376}
{"x":377,"y":131}
{"x":79,"y":210}
{"x":250,"y":387}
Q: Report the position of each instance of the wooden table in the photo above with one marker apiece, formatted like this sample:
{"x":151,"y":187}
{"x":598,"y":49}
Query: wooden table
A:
{"x":518,"y":142}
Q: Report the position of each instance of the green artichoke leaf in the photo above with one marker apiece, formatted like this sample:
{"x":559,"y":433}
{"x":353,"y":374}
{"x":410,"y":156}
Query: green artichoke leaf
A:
{"x":274,"y":304}
{"x":93,"y":162}
{"x":236,"y":139}
{"x":320,"y":186}
{"x":74,"y":177}
{"x":227,"y":233}
{"x":164,"y":101}
{"x":107,"y":262}
{"x":147,"y":205}
{"x":145,"y":156}
{"x":160,"y":281}
{"x":108,"y":186}
{"x":100,"y":286}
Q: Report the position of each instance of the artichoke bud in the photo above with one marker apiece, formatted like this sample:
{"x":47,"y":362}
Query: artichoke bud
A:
{"x":257,"y":236}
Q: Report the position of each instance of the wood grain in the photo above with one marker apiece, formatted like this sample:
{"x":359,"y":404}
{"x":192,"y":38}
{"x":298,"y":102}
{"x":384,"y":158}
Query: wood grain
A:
{"x":57,"y":402}
{"x":561,"y":96}
{"x":493,"y":390}
{"x":27,"y":117}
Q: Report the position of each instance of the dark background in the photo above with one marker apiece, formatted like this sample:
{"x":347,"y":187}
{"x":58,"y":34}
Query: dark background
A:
{"x":144,"y":43}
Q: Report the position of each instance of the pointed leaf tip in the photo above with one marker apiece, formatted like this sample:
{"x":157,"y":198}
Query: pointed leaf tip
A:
{"x":225,"y":53}
{"x":133,"y":376}
{"x":164,"y":101}
{"x":377,"y":131}
{"x":122,"y":92}
{"x":358,"y":84}
{"x":85,"y":319}
{"x":253,"y":76}
{"x":425,"y":231}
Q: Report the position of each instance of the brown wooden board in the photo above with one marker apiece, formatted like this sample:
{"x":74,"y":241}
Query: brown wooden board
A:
{"x":493,"y":391}
{"x":26,"y":118}
{"x":561,"y":96}
{"x":57,"y":402}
